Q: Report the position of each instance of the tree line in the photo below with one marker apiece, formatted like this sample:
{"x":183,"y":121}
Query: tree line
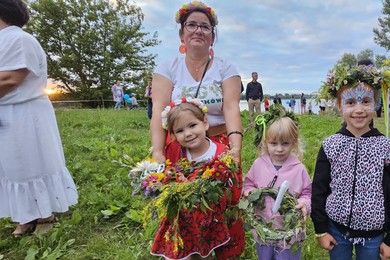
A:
{"x":90,"y":44}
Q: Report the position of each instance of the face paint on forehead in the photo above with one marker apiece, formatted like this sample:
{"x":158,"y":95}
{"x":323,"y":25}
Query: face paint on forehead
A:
{"x":358,"y":92}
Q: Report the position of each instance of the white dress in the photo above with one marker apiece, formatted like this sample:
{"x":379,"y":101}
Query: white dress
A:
{"x":34,"y":180}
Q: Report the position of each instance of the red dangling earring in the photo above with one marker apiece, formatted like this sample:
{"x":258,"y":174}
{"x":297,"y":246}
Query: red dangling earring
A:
{"x":211,"y":52}
{"x":182,"y":49}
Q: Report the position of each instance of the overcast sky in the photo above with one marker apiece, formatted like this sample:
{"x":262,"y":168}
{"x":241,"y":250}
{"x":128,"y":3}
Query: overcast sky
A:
{"x":290,"y":43}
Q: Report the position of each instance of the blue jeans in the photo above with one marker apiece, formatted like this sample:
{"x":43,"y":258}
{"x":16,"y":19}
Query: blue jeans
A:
{"x":343,"y":250}
{"x":118,"y":105}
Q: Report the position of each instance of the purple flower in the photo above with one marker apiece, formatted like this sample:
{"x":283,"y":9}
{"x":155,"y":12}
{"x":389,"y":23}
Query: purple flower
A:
{"x":150,"y":192}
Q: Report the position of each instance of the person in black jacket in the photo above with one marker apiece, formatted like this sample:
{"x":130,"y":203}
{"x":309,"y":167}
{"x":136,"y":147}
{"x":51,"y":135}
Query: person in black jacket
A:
{"x":254,"y":96}
{"x":351,"y":184}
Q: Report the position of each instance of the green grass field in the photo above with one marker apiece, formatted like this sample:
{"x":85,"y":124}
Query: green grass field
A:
{"x":107,"y":221}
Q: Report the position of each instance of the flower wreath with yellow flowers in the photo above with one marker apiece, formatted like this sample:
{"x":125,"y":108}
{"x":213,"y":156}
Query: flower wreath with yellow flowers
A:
{"x":263,"y":121}
{"x":293,"y":219}
{"x":190,"y":186}
{"x":194,"y":5}
{"x":196,"y":101}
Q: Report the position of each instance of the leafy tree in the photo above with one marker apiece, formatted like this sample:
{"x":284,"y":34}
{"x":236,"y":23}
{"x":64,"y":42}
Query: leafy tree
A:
{"x":348,"y":60}
{"x":91,"y":43}
{"x":382,"y":35}
{"x":366,"y":54}
{"x":380,"y":60}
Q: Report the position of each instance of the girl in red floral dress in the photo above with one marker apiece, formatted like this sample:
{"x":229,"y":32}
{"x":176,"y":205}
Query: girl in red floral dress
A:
{"x":201,"y":232}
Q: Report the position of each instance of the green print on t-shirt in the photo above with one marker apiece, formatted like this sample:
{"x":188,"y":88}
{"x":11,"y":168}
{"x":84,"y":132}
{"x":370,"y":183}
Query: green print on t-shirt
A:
{"x":209,"y":94}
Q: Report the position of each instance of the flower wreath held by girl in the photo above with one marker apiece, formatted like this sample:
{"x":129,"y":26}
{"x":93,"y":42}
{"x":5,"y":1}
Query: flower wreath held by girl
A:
{"x":279,"y":151}
{"x":195,"y":231}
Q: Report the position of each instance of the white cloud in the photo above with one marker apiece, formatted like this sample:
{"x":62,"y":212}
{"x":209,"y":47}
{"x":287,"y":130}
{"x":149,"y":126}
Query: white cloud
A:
{"x":291,"y":44}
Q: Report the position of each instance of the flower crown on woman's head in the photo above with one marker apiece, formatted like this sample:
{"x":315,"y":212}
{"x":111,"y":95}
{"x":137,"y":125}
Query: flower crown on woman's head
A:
{"x":193,"y":6}
{"x":195,"y":101}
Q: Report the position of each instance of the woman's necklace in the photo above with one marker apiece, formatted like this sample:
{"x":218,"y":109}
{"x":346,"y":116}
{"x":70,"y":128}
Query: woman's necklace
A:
{"x":198,"y":68}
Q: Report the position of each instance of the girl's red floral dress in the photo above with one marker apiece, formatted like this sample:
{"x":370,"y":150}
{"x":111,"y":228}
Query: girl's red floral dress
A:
{"x":201,"y":233}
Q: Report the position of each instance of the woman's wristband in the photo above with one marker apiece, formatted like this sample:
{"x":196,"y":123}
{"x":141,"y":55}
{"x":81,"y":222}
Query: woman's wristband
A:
{"x":321,"y":235}
{"x":235,"y":132}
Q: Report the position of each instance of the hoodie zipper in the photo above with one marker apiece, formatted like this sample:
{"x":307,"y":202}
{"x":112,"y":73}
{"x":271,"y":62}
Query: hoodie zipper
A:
{"x":354,"y":183}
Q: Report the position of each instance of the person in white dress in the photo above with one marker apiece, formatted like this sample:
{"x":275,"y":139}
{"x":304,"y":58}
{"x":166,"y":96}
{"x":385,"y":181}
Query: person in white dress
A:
{"x":34,"y":180}
{"x":117,"y":92}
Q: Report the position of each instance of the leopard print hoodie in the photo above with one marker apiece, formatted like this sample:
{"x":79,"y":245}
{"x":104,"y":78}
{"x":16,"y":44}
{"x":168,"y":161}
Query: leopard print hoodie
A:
{"x":349,"y":186}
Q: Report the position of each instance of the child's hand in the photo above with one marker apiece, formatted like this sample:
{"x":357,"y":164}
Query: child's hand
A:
{"x":327,"y":242}
{"x":384,"y":251}
{"x":303,"y":208}
{"x":246,"y":194}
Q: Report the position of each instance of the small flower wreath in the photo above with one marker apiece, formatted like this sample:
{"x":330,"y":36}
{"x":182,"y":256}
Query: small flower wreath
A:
{"x":293,"y":219}
{"x":263,"y":121}
{"x":192,"y":6}
{"x":195,"y":101}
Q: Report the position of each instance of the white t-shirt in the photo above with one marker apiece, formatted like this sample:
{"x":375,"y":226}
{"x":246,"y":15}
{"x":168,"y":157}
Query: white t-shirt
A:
{"x":210,"y":91}
{"x":20,"y":50}
{"x":208,"y":155}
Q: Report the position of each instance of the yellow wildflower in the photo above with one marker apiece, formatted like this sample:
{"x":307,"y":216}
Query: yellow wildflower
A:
{"x":166,"y":236}
{"x":159,"y":176}
{"x":152,"y":160}
{"x":228,"y":160}
{"x":181,"y":243}
{"x":184,"y":163}
{"x":208,"y":172}
{"x":168,"y":162}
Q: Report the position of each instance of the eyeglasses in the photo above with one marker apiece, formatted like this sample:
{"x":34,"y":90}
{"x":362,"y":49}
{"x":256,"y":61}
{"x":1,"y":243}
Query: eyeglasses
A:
{"x":192,"y":27}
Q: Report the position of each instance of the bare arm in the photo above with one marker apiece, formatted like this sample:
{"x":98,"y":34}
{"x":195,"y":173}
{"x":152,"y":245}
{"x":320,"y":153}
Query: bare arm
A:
{"x":231,"y":89}
{"x":161,"y":96}
{"x":10,"y":80}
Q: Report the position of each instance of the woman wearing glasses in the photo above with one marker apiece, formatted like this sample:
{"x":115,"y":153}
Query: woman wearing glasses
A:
{"x":181,"y":77}
{"x":197,"y":73}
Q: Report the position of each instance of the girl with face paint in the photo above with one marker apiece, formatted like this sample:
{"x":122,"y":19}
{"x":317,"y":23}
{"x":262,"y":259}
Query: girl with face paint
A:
{"x":357,"y":106}
{"x":351,"y":184}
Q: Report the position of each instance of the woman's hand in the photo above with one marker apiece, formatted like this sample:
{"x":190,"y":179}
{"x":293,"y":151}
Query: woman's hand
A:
{"x":158,"y":156}
{"x":236,"y":153}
